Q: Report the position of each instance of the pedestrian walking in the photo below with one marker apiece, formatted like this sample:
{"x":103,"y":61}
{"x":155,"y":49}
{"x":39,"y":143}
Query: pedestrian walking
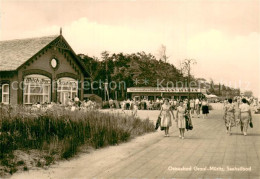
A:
{"x":197,"y":107}
{"x":175,"y":104}
{"x":229,"y":116}
{"x":192,"y":107}
{"x":180,"y":119}
{"x":205,"y":108}
{"x":245,"y":116}
{"x":165,"y":114}
{"x":255,"y":105}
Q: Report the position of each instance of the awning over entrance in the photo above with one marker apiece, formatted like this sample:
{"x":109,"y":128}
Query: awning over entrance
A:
{"x":155,"y":92}
{"x":163,"y":90}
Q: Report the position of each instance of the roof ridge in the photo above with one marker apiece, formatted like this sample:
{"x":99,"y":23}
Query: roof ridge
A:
{"x":29,"y":38}
{"x":16,"y":52}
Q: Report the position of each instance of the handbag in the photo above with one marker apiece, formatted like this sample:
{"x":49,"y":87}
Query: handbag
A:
{"x":251,"y":124}
{"x":158,"y":122}
{"x":189,"y":125}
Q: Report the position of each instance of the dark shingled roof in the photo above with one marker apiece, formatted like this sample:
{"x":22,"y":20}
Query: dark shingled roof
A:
{"x":13,"y":53}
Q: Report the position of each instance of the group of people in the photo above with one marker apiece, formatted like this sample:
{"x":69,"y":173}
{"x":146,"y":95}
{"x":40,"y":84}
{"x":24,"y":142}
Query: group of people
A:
{"x":196,"y":105}
{"x":237,"y":112}
{"x":182,"y":117}
{"x":71,"y":105}
{"x":251,"y":101}
{"x":145,"y":104}
{"x":82,"y":105}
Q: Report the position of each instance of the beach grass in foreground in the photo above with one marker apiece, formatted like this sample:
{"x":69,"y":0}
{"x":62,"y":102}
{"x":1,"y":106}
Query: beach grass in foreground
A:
{"x":37,"y":138}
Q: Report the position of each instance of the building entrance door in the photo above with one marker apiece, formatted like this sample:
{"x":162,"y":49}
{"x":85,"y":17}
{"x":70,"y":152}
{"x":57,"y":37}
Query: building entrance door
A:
{"x":64,"y":97}
{"x":67,"y":90}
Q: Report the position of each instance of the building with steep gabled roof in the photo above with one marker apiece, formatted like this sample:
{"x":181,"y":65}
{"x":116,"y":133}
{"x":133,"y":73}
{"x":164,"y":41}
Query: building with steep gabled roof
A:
{"x":39,"y":70}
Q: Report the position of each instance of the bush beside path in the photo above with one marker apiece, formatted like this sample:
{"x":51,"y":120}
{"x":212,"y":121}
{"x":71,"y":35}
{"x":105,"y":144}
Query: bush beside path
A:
{"x":37,"y":138}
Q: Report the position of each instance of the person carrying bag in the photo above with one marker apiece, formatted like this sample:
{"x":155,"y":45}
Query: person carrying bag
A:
{"x":245,"y":116}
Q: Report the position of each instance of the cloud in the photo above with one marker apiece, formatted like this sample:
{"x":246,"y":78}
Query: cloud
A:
{"x":92,"y":38}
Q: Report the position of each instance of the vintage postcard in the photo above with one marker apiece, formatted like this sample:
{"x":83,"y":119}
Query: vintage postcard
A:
{"x":129,"y":89}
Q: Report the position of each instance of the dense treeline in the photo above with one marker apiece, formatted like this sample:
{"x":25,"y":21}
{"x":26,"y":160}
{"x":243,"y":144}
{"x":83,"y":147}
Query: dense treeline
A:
{"x":139,"y":69}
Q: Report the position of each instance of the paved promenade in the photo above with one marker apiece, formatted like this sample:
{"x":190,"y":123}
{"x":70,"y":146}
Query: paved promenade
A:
{"x":206,"y":152}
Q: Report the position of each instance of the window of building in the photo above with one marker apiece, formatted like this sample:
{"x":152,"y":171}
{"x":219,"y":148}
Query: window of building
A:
{"x":37,"y":89}
{"x":67,"y":89}
{"x":5,"y":93}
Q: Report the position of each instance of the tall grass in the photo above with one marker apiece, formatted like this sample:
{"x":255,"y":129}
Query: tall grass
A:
{"x":62,"y":132}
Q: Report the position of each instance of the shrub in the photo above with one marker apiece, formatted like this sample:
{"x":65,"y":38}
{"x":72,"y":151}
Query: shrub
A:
{"x":61,"y":132}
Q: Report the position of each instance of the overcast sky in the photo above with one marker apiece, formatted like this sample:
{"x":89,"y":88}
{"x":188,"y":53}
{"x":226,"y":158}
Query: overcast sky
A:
{"x":222,"y":35}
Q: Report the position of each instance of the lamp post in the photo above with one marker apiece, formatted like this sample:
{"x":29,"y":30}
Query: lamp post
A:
{"x":189,"y":84}
{"x":187,"y":66}
{"x":106,"y":83}
{"x":105,"y":56}
{"x":106,"y":90}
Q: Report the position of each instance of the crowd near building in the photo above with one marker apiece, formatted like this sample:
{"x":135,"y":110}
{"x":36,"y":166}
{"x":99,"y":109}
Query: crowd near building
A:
{"x":153,"y":93}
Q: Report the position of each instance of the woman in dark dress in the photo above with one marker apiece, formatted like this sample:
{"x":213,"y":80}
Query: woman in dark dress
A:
{"x":205,"y":108}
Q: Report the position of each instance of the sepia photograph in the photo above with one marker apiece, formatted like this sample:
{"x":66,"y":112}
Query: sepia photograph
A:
{"x":130,"y":89}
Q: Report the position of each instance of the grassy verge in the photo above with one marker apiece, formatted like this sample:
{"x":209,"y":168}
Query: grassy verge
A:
{"x":55,"y":134}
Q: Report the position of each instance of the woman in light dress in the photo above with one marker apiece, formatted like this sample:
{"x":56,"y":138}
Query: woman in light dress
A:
{"x":229,"y":115}
{"x":192,"y":107}
{"x":181,"y":122}
{"x":165,"y":114}
{"x":245,"y":116}
{"x":197,"y":107}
